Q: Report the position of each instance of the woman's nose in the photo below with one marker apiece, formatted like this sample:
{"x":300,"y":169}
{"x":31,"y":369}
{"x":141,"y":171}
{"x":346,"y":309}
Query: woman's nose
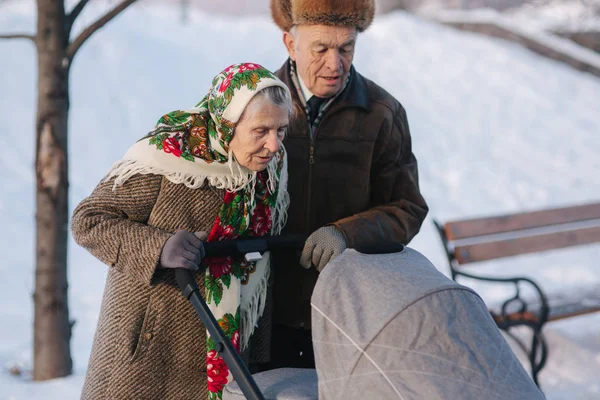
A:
{"x":273,"y":142}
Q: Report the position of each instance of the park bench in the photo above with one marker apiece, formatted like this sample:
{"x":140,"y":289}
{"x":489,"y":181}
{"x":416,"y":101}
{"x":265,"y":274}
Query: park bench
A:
{"x":475,"y":240}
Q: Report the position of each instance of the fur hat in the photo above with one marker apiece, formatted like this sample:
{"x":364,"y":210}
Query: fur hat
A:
{"x":357,"y":13}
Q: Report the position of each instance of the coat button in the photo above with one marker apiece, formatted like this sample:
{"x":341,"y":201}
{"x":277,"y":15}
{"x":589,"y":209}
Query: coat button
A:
{"x":148,"y":336}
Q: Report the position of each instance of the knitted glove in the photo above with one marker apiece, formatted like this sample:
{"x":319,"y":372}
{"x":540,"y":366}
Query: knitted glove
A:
{"x":322,"y":246}
{"x":183,"y":250}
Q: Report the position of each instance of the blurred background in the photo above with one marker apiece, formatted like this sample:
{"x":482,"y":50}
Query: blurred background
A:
{"x":502,"y":97}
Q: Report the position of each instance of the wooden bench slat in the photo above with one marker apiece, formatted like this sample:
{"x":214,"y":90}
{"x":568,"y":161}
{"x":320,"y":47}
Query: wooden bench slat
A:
{"x":555,"y":314}
{"x":577,"y":301}
{"x":516,"y":316}
{"x":572,"y":310}
{"x":524,"y":245}
{"x":456,"y":230}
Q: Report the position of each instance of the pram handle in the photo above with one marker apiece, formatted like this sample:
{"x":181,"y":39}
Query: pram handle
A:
{"x":188,"y":286}
{"x":222,"y":344}
{"x":242,"y":246}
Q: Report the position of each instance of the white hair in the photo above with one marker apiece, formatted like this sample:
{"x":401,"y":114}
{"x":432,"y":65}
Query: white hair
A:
{"x":276,"y":95}
{"x":294,"y":32}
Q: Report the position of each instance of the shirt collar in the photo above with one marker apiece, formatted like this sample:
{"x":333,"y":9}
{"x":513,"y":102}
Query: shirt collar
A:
{"x":307,"y":93}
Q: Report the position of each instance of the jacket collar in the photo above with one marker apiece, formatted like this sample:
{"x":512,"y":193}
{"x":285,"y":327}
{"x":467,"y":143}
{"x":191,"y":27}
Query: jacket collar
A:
{"x":354,"y":95}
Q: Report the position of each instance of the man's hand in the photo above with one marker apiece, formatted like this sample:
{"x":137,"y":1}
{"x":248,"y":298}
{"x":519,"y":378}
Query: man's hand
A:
{"x":183,"y":250}
{"x":322,"y":246}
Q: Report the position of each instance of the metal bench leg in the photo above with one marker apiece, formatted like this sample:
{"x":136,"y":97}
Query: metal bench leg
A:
{"x":538,"y":343}
{"x":538,"y":340}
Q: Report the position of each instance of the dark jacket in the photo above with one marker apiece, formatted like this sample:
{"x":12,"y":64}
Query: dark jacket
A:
{"x":359,"y":173}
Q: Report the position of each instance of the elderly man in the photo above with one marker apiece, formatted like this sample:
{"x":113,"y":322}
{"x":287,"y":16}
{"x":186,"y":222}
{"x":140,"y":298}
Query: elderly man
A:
{"x":353,"y":178}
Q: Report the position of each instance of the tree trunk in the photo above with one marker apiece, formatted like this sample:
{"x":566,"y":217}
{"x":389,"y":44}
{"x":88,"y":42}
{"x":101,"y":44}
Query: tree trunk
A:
{"x":52,"y":328}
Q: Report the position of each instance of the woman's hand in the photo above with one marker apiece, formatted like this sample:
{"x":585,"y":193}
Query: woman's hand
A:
{"x":183,"y":250}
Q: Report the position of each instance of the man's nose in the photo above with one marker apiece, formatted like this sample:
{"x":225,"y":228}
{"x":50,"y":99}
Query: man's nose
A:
{"x":332,"y":60}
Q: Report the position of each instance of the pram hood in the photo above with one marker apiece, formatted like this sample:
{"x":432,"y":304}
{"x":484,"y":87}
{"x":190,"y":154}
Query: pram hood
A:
{"x":391,"y":326}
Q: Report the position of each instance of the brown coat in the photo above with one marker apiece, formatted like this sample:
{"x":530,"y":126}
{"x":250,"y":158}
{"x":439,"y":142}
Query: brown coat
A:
{"x":362,"y":177}
{"x":149,"y":343}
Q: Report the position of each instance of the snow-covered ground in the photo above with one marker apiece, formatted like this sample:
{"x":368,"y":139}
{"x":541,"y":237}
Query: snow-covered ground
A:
{"x":495,"y":127}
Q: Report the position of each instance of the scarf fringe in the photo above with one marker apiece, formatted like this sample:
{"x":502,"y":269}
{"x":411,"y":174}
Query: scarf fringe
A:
{"x":236,"y":170}
{"x":125,"y":169}
{"x":283,"y":198}
{"x":249,"y":317}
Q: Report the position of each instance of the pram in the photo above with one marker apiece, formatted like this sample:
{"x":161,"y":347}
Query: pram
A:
{"x":385,"y":326}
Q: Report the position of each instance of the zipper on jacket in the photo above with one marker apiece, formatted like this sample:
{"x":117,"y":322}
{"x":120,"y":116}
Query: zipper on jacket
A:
{"x":311,"y":161}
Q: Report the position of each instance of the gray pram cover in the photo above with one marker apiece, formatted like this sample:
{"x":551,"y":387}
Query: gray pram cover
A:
{"x":391,"y":326}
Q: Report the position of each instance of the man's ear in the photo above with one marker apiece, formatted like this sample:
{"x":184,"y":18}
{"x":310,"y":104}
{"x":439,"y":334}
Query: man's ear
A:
{"x":290,"y":44}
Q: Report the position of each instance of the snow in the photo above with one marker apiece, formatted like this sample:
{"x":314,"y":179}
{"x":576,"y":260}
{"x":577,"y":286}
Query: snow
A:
{"x":522,"y":27}
{"x":496,"y":129}
{"x":539,"y":15}
{"x":559,"y":15}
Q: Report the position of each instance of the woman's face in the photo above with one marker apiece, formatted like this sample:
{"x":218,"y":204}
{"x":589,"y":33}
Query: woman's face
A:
{"x":259,"y":133}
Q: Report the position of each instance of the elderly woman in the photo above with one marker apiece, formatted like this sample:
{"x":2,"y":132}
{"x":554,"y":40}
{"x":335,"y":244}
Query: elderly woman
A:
{"x":214,"y":172}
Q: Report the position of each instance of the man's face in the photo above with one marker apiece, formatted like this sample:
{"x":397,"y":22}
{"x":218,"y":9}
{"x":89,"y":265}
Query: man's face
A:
{"x":323,"y":56}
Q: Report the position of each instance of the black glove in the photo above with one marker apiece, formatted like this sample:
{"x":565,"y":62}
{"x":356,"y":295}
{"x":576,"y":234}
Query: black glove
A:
{"x":183,"y":250}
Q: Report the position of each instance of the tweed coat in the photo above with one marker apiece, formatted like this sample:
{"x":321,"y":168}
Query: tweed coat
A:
{"x":149,"y":343}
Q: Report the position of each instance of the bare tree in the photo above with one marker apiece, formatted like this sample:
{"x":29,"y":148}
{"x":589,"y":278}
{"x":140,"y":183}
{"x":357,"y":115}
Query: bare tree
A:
{"x":55,"y":51}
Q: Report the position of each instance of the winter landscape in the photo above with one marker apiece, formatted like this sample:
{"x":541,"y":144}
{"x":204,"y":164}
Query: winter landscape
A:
{"x":496,"y":129}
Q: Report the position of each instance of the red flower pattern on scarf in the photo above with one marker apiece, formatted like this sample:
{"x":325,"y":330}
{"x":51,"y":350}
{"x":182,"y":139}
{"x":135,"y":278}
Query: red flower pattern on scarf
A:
{"x":223,"y":232}
{"x":261,"y":223}
{"x":220,"y":231}
{"x":229,"y":197}
{"x":225,"y":84}
{"x":171,"y":145}
{"x":217,"y":372}
{"x":248,"y":67}
{"x":235,"y":340}
{"x":219,"y":266}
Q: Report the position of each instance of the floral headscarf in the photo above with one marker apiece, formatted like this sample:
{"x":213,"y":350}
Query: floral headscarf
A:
{"x":192,"y":147}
